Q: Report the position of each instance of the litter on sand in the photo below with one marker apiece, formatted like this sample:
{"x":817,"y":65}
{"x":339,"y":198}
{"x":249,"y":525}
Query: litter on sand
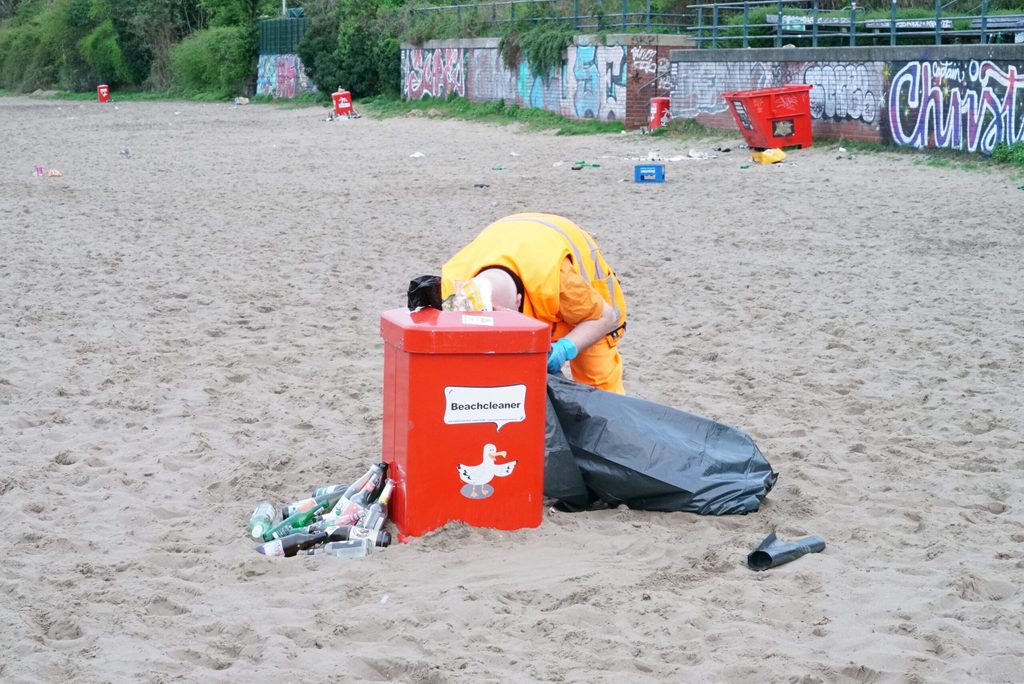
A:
{"x":772,"y":155}
{"x":417,"y":155}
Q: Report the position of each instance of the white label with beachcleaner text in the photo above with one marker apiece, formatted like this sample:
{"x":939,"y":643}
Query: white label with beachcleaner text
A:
{"x":498,"y":405}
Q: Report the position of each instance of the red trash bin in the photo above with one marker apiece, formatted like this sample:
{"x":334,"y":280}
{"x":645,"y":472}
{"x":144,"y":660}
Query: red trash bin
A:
{"x":464,"y":418}
{"x":103,"y":93}
{"x":660,"y":113}
{"x":773,"y":117}
{"x":342,"y":102}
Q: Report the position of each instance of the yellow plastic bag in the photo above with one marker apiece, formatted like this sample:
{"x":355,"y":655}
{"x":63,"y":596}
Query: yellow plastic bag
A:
{"x":469,"y":295}
{"x":770,"y":156}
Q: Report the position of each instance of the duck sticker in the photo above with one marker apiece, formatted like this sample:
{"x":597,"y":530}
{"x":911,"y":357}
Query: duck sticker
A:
{"x":478,"y":477}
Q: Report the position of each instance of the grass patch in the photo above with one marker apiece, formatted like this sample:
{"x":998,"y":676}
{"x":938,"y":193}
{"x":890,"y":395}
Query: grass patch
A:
{"x":1009,"y":154}
{"x":933,"y":157}
{"x":116,"y":96}
{"x":488,"y":112}
{"x":299,"y":102}
{"x":687,"y":129}
{"x":178,"y":94}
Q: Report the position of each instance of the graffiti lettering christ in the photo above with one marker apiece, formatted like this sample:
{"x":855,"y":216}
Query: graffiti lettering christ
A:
{"x":970,"y":106}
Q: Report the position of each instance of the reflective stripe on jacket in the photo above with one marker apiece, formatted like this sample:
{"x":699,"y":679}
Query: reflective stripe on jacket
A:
{"x":533,"y":246}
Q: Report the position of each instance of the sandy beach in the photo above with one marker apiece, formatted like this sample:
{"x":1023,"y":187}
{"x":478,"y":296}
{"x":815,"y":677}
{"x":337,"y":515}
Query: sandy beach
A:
{"x":189,"y":324}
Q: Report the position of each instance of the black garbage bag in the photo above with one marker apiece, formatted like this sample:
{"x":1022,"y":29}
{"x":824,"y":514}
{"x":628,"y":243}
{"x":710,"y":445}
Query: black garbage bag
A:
{"x":653,"y":457}
{"x":562,"y":477}
{"x":773,"y":551}
{"x":424,"y":290}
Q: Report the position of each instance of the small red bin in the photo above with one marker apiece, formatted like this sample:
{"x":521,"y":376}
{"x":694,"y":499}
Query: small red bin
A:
{"x":464,"y":418}
{"x":103,"y":93}
{"x":660,"y":113}
{"x":773,"y":117}
{"x":342,"y":103}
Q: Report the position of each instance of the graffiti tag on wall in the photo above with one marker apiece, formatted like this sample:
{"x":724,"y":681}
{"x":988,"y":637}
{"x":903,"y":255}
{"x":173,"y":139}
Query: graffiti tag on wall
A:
{"x":846,"y":91}
{"x":699,"y":85}
{"x":282,"y":76}
{"x":488,"y":77}
{"x":598,"y":82}
{"x":841,"y":92}
{"x":961,"y":105}
{"x":646,"y":62}
{"x":538,"y":91}
{"x":434,"y":72}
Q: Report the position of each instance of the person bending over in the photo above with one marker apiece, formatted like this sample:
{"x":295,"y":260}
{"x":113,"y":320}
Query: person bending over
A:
{"x":550,"y":269}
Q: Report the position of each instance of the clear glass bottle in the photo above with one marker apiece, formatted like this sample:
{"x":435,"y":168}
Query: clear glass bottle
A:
{"x":262,"y":519}
{"x":377,"y":512}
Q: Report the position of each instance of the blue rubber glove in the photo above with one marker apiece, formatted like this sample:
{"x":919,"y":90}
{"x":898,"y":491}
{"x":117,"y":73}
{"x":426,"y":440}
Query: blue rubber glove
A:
{"x":561,"y":351}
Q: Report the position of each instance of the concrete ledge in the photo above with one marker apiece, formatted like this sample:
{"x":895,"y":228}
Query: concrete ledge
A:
{"x":612,"y":40}
{"x":909,"y":53}
{"x":450,"y":43}
{"x":639,"y":39}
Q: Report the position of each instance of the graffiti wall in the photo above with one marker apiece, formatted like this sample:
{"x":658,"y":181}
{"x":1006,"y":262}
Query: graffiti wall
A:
{"x":282,"y":76}
{"x":965,"y":105}
{"x":959,"y":104}
{"x":436,"y":72}
{"x":593,"y":81}
{"x":488,"y":79}
{"x":597,"y":82}
{"x":846,"y":98}
{"x":649,"y":75}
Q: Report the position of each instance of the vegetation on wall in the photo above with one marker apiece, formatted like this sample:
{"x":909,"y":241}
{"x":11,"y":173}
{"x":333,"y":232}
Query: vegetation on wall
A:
{"x":542,"y":46}
{"x":211,"y":45}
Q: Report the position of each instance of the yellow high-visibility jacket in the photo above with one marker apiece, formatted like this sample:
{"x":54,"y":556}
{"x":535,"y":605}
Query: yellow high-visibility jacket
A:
{"x":533,"y":246}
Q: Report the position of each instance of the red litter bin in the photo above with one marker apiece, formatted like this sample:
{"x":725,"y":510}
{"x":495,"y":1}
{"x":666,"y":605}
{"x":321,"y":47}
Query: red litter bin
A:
{"x":773,"y":117}
{"x":342,"y":103}
{"x":103,"y":93}
{"x":464,"y":403}
{"x":660,"y":113}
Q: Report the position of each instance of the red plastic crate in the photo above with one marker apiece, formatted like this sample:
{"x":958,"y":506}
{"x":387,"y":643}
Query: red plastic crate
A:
{"x":773,"y":117}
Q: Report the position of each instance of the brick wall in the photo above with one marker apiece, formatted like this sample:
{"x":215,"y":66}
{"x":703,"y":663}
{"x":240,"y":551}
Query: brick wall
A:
{"x":282,"y":76}
{"x":611,"y":81}
{"x":962,"y":97}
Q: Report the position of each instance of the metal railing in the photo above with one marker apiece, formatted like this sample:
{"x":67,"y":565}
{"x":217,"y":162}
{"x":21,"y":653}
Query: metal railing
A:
{"x":627,"y":16}
{"x":805,"y":23}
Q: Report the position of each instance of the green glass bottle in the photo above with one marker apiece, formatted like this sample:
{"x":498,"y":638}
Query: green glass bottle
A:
{"x":298,"y":519}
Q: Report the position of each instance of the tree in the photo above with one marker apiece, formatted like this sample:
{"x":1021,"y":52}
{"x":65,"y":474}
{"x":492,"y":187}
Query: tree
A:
{"x":239,"y":12}
{"x":8,"y":8}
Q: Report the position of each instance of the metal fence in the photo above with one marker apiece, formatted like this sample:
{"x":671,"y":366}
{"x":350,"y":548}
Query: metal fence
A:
{"x":583,"y":15}
{"x":281,"y":36}
{"x":803,"y":23}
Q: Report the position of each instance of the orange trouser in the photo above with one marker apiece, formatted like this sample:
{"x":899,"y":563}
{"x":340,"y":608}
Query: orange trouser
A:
{"x":600,"y":366}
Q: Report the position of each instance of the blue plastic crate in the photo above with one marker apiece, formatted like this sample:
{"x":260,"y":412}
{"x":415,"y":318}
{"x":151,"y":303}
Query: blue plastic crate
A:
{"x":649,"y":173}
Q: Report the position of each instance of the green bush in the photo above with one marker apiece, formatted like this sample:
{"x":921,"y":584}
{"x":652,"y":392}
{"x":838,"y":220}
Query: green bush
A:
{"x":103,"y":55}
{"x":541,"y":45}
{"x":545,"y":46}
{"x":1009,"y":154}
{"x":32,"y":48}
{"x":215,"y":62}
{"x":319,"y":52}
{"x":353,"y":44}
